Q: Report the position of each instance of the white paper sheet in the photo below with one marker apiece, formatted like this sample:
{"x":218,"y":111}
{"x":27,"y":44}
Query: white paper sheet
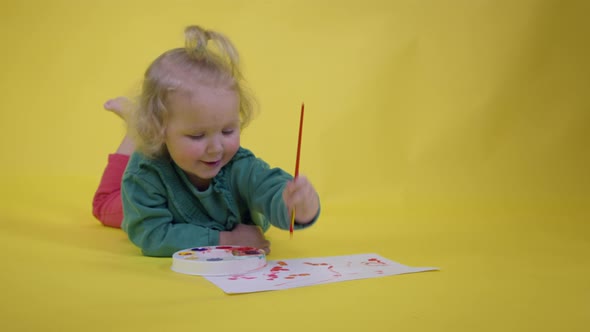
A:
{"x":290,"y":273}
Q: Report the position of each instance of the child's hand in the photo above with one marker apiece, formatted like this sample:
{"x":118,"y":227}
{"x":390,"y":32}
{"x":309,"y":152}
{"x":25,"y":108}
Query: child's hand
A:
{"x":301,"y":195}
{"x":245,"y":235}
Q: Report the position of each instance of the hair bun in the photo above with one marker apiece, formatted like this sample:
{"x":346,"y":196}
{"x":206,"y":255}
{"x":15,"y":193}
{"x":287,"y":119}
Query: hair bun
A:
{"x":196,"y":39}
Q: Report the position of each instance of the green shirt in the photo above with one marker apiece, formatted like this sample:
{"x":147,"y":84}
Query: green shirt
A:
{"x":164,"y":212}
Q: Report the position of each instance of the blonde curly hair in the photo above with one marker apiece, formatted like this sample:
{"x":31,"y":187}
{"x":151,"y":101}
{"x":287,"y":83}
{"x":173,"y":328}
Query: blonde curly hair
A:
{"x":181,"y":68}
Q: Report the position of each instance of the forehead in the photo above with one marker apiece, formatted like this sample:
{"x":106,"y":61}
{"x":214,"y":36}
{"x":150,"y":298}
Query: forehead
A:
{"x":206,"y":101}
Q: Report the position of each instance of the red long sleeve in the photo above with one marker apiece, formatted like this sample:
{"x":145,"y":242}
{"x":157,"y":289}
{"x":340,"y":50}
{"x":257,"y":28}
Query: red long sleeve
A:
{"x":106,"y":205}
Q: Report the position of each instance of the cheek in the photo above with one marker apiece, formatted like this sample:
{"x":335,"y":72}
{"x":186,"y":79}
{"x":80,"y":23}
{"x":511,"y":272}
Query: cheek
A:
{"x":193,"y":148}
{"x":233,"y":144}
{"x":184,"y":148}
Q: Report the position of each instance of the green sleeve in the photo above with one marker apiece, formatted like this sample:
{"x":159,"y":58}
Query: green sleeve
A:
{"x":262,"y":189}
{"x":150,"y":224}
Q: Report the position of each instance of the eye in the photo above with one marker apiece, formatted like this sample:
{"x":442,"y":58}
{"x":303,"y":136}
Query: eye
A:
{"x":196,"y":137}
{"x":227,"y":131}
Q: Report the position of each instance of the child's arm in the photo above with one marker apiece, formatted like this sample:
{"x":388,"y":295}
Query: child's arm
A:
{"x":151,"y":226}
{"x":245,"y":235}
{"x":263,"y":187}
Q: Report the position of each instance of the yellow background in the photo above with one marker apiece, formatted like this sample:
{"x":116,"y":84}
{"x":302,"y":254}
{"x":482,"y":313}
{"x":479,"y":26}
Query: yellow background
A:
{"x":438,"y":133}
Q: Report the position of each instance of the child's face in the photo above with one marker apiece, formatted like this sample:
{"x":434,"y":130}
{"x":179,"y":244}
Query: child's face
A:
{"x":203,"y":131}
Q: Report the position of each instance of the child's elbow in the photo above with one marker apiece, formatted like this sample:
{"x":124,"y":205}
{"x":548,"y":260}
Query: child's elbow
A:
{"x":150,"y":244}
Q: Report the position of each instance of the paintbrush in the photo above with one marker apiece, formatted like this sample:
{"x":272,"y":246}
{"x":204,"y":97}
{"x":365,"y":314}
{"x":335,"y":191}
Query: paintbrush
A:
{"x":297,"y":165}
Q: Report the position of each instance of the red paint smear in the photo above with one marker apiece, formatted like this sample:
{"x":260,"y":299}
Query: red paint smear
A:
{"x":316,"y":264}
{"x":278,"y":268}
{"x":375,"y":260}
{"x":245,"y":248}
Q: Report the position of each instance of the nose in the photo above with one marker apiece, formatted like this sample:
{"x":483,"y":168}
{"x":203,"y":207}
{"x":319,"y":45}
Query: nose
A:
{"x":215,"y":146}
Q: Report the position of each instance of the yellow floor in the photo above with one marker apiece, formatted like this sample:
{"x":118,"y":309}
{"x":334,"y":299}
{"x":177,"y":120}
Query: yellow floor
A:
{"x":438,"y":133}
{"x":514,"y":269}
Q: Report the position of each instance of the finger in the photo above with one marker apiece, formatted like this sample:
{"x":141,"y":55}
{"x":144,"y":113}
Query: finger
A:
{"x":288,"y":199}
{"x":301,"y":181}
{"x":297,"y":198}
{"x":265,"y":245}
{"x":291,"y":186}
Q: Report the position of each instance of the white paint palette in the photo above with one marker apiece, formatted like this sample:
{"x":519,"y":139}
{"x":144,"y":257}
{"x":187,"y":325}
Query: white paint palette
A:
{"x":218,"y":260}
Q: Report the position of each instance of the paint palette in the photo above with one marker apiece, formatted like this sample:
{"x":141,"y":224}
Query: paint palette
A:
{"x":218,"y":260}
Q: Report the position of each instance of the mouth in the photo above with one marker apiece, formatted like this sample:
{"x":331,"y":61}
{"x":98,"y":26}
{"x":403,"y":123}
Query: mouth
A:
{"x":212,"y":163}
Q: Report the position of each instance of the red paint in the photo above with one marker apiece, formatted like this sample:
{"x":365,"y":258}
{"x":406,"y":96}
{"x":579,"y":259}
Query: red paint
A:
{"x":373,"y":262}
{"x":316,"y":264}
{"x":293,"y":276}
{"x":278,"y":268}
{"x":245,"y":248}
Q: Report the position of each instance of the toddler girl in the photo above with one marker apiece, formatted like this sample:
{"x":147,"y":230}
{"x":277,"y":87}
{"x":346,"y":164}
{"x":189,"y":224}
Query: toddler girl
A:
{"x":187,"y":181}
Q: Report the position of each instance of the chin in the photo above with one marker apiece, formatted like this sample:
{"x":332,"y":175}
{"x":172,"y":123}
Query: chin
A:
{"x":208,"y":175}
